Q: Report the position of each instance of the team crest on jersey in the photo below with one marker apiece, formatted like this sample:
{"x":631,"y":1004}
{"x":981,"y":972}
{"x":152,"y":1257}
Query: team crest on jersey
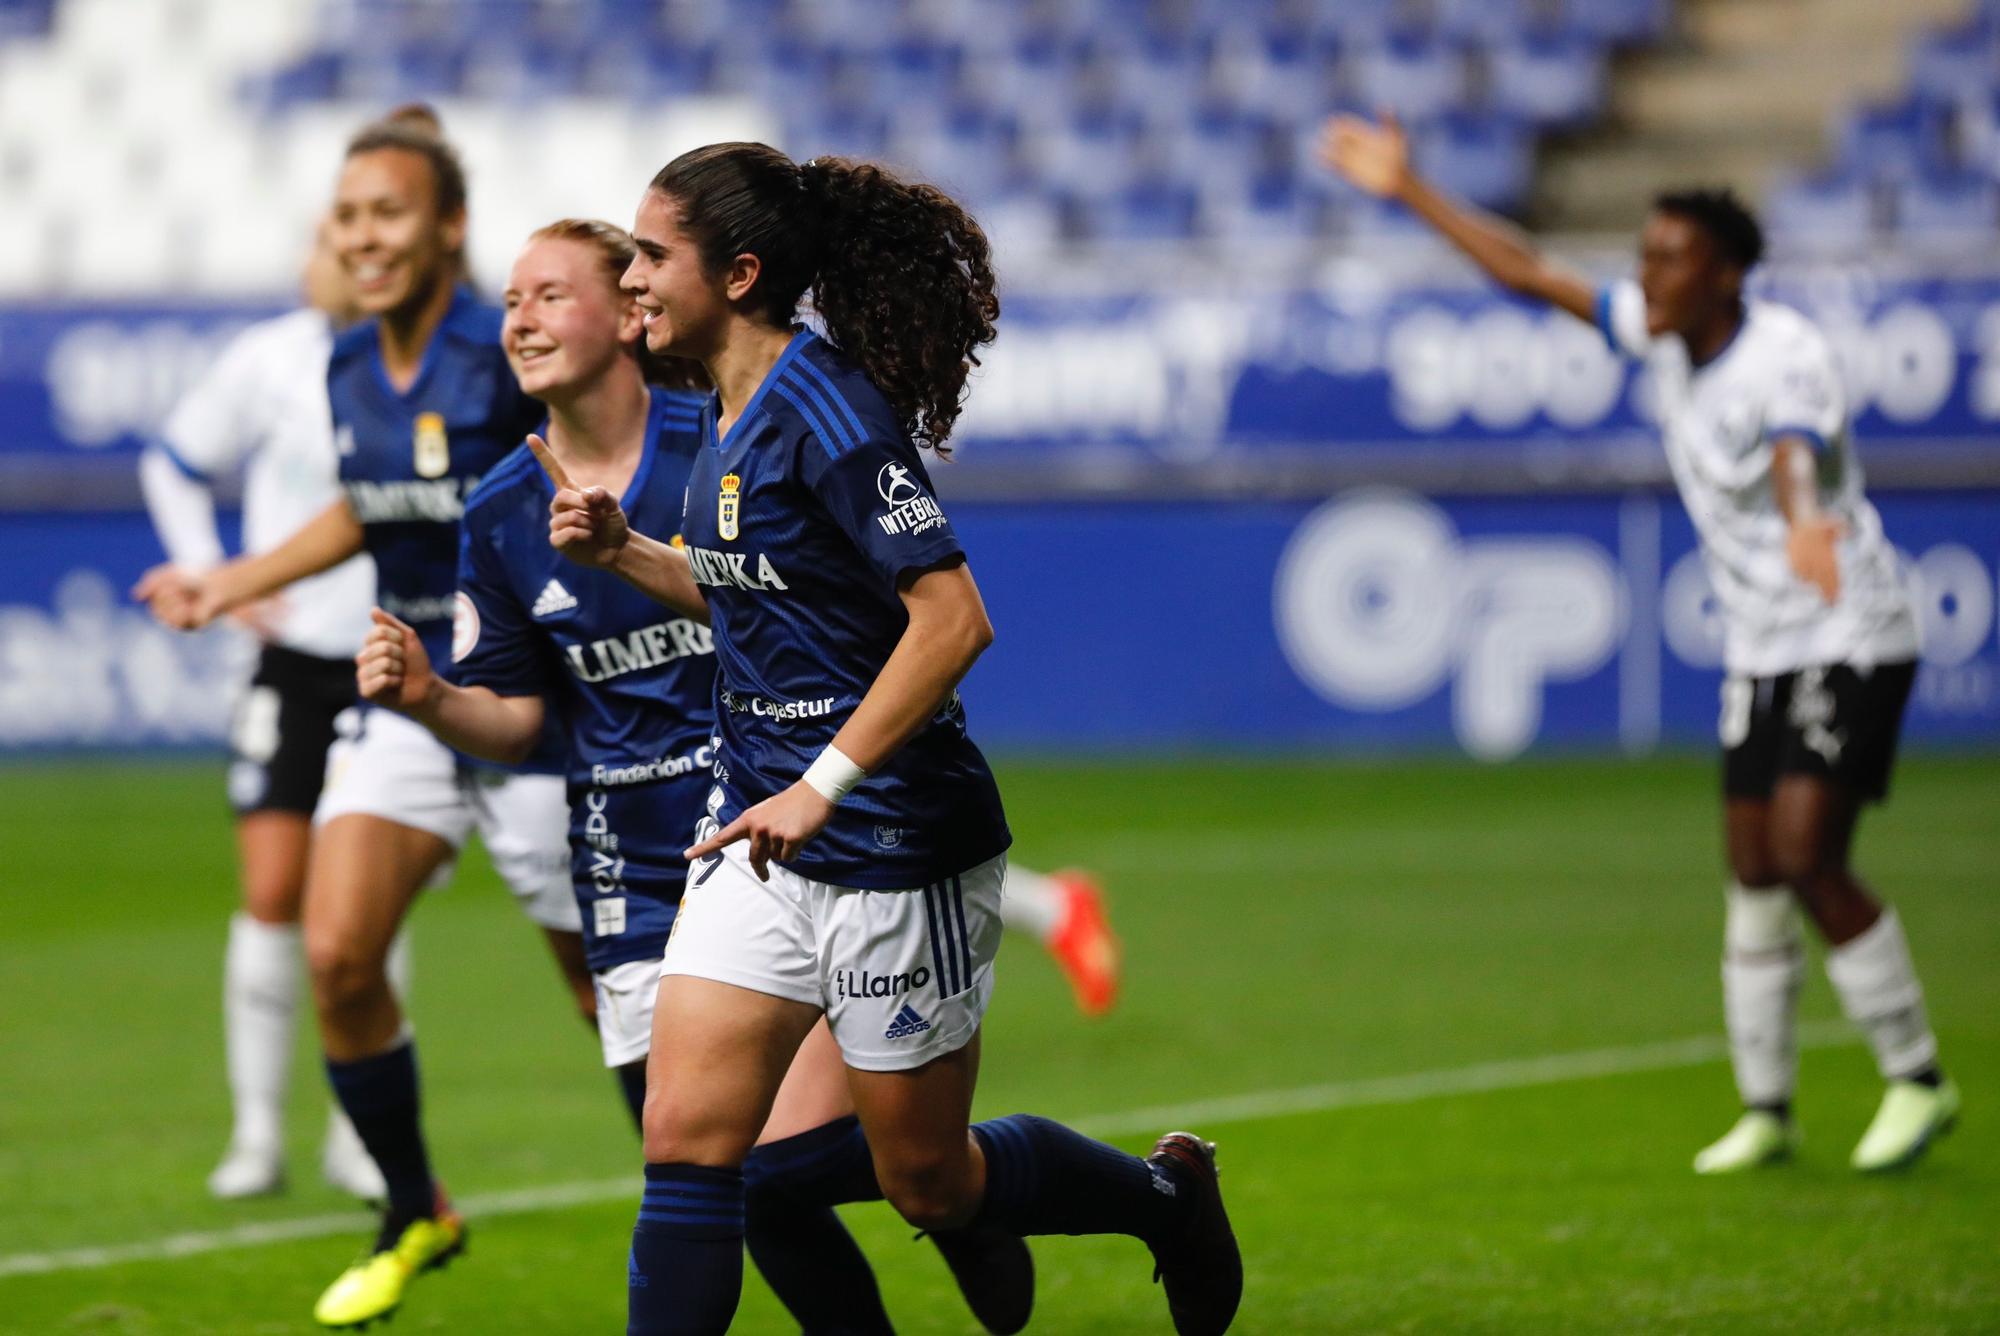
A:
{"x":729,"y":508}
{"x":429,"y":450}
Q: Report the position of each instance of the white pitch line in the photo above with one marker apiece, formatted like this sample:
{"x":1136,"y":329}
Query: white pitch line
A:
{"x":1511,"y":1074}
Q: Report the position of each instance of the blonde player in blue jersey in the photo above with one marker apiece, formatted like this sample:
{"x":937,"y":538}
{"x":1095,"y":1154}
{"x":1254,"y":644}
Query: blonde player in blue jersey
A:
{"x":852,"y":864}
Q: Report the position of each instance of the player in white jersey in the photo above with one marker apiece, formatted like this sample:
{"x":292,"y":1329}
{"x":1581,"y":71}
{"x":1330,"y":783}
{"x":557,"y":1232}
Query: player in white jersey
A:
{"x":262,"y":409}
{"x":1820,"y":638}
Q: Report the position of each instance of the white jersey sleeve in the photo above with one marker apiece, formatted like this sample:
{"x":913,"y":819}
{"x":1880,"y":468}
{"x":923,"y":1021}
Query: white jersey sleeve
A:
{"x":226,"y":413}
{"x":1621,"y":318}
{"x":183,"y":511}
{"x":1806,"y":394}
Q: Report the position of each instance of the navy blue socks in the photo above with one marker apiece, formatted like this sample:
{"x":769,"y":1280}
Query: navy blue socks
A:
{"x":797,"y":1240}
{"x":1042,"y":1178}
{"x":379,"y":1095}
{"x":685,"y":1275}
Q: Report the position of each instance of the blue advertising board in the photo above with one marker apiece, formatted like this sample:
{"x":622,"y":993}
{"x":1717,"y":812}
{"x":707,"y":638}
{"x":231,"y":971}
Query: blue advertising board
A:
{"x":1175,"y":372}
{"x":1372,"y":621}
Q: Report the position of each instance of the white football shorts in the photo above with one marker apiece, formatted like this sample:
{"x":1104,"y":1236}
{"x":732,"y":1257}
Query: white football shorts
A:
{"x":903,"y":976}
{"x":625,"y":996}
{"x":395,"y":769}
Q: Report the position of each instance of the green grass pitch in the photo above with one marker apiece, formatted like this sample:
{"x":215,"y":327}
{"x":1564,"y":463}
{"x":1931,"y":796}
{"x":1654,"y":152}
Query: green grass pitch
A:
{"x":1290,"y":927}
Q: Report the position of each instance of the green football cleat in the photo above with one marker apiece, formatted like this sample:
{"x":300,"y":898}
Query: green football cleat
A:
{"x":1910,"y":1118}
{"x":374,"y":1286}
{"x":1759,"y":1137}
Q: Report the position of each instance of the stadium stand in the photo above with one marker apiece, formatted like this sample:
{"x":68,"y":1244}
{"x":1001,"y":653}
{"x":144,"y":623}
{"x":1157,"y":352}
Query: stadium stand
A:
{"x":1117,"y":121}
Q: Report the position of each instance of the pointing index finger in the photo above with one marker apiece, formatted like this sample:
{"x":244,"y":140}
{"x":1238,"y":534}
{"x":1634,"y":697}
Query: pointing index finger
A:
{"x":715,"y":843}
{"x":547,"y":459}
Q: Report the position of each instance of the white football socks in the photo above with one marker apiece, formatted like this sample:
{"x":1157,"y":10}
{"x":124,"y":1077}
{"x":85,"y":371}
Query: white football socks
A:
{"x":260,"y":987}
{"x":1879,"y":991}
{"x":1031,"y":903}
{"x":1763,"y":964}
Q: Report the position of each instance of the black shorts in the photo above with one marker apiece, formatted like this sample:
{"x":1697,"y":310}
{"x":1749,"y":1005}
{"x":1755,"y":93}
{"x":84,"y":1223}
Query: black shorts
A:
{"x":283,"y":727}
{"x":1839,"y":722}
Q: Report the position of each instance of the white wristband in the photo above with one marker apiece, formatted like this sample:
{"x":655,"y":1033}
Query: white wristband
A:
{"x":832,"y":775}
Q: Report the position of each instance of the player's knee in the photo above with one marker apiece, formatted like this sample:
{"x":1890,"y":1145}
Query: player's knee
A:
{"x":343,"y":976}
{"x":1755,"y":871}
{"x":931,"y":1192}
{"x":670,"y":1134}
{"x":1798,"y":862}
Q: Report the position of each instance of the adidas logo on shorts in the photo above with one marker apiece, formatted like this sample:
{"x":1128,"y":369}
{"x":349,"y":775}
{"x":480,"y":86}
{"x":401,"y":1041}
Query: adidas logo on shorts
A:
{"x":907,"y":1023}
{"x":553,"y":599}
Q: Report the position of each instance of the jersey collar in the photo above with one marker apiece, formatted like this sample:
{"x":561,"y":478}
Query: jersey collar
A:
{"x":462,"y":300}
{"x":793,"y":350}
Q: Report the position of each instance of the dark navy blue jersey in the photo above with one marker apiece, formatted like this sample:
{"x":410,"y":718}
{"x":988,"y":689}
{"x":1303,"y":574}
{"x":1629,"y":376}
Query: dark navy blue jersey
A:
{"x":409,"y":459}
{"x":799,"y":525}
{"x":625,"y":862}
{"x":630,"y":684}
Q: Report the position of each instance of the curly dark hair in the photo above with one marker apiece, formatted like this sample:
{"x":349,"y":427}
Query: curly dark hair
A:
{"x":1730,"y":225}
{"x":898,"y":272}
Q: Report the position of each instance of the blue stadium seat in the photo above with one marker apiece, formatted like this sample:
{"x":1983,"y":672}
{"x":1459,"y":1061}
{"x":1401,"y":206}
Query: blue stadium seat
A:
{"x":1891,"y":141}
{"x":1624,"y":22}
{"x":1093,"y":154}
{"x":1360,"y":21}
{"x":313,"y":77}
{"x":1487,"y":159}
{"x":1149,"y":209}
{"x":1417,"y":79}
{"x":1979,"y":136}
{"x":1957,"y":64}
{"x":917,"y":70}
{"x":652,"y":68}
{"x":1277,"y":208}
{"x":504,"y":68}
{"x":1948,"y":212}
{"x":1823,"y":214}
{"x":423,"y":69}
{"x":1556,"y":81}
{"x":25,"y":18}
{"x":1487,"y":21}
{"x":1364,"y":219}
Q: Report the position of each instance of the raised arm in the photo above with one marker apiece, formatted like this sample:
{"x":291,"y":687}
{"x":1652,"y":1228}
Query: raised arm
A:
{"x":588,"y":526}
{"x":189,"y":600}
{"x":1376,"y":158}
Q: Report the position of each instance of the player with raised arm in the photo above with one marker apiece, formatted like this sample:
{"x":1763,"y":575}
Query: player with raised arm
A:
{"x":537,"y":637}
{"x":262,"y":408}
{"x":423,"y":405}
{"x":1820,"y":637}
{"x":852,"y":861}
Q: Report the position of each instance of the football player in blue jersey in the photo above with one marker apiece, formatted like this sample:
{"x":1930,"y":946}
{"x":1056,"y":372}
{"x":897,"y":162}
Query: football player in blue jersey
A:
{"x":634,"y":693}
{"x":851,"y":864}
{"x":423,"y":405}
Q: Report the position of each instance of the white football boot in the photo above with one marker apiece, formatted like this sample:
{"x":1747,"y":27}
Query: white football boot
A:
{"x":1759,"y":1137}
{"x":248,"y":1170}
{"x":1911,"y":1116}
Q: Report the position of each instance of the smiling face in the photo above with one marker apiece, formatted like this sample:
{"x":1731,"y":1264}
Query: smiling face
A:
{"x":566,"y":325}
{"x":387,"y":232}
{"x":1685,"y":278}
{"x":685,"y":308}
